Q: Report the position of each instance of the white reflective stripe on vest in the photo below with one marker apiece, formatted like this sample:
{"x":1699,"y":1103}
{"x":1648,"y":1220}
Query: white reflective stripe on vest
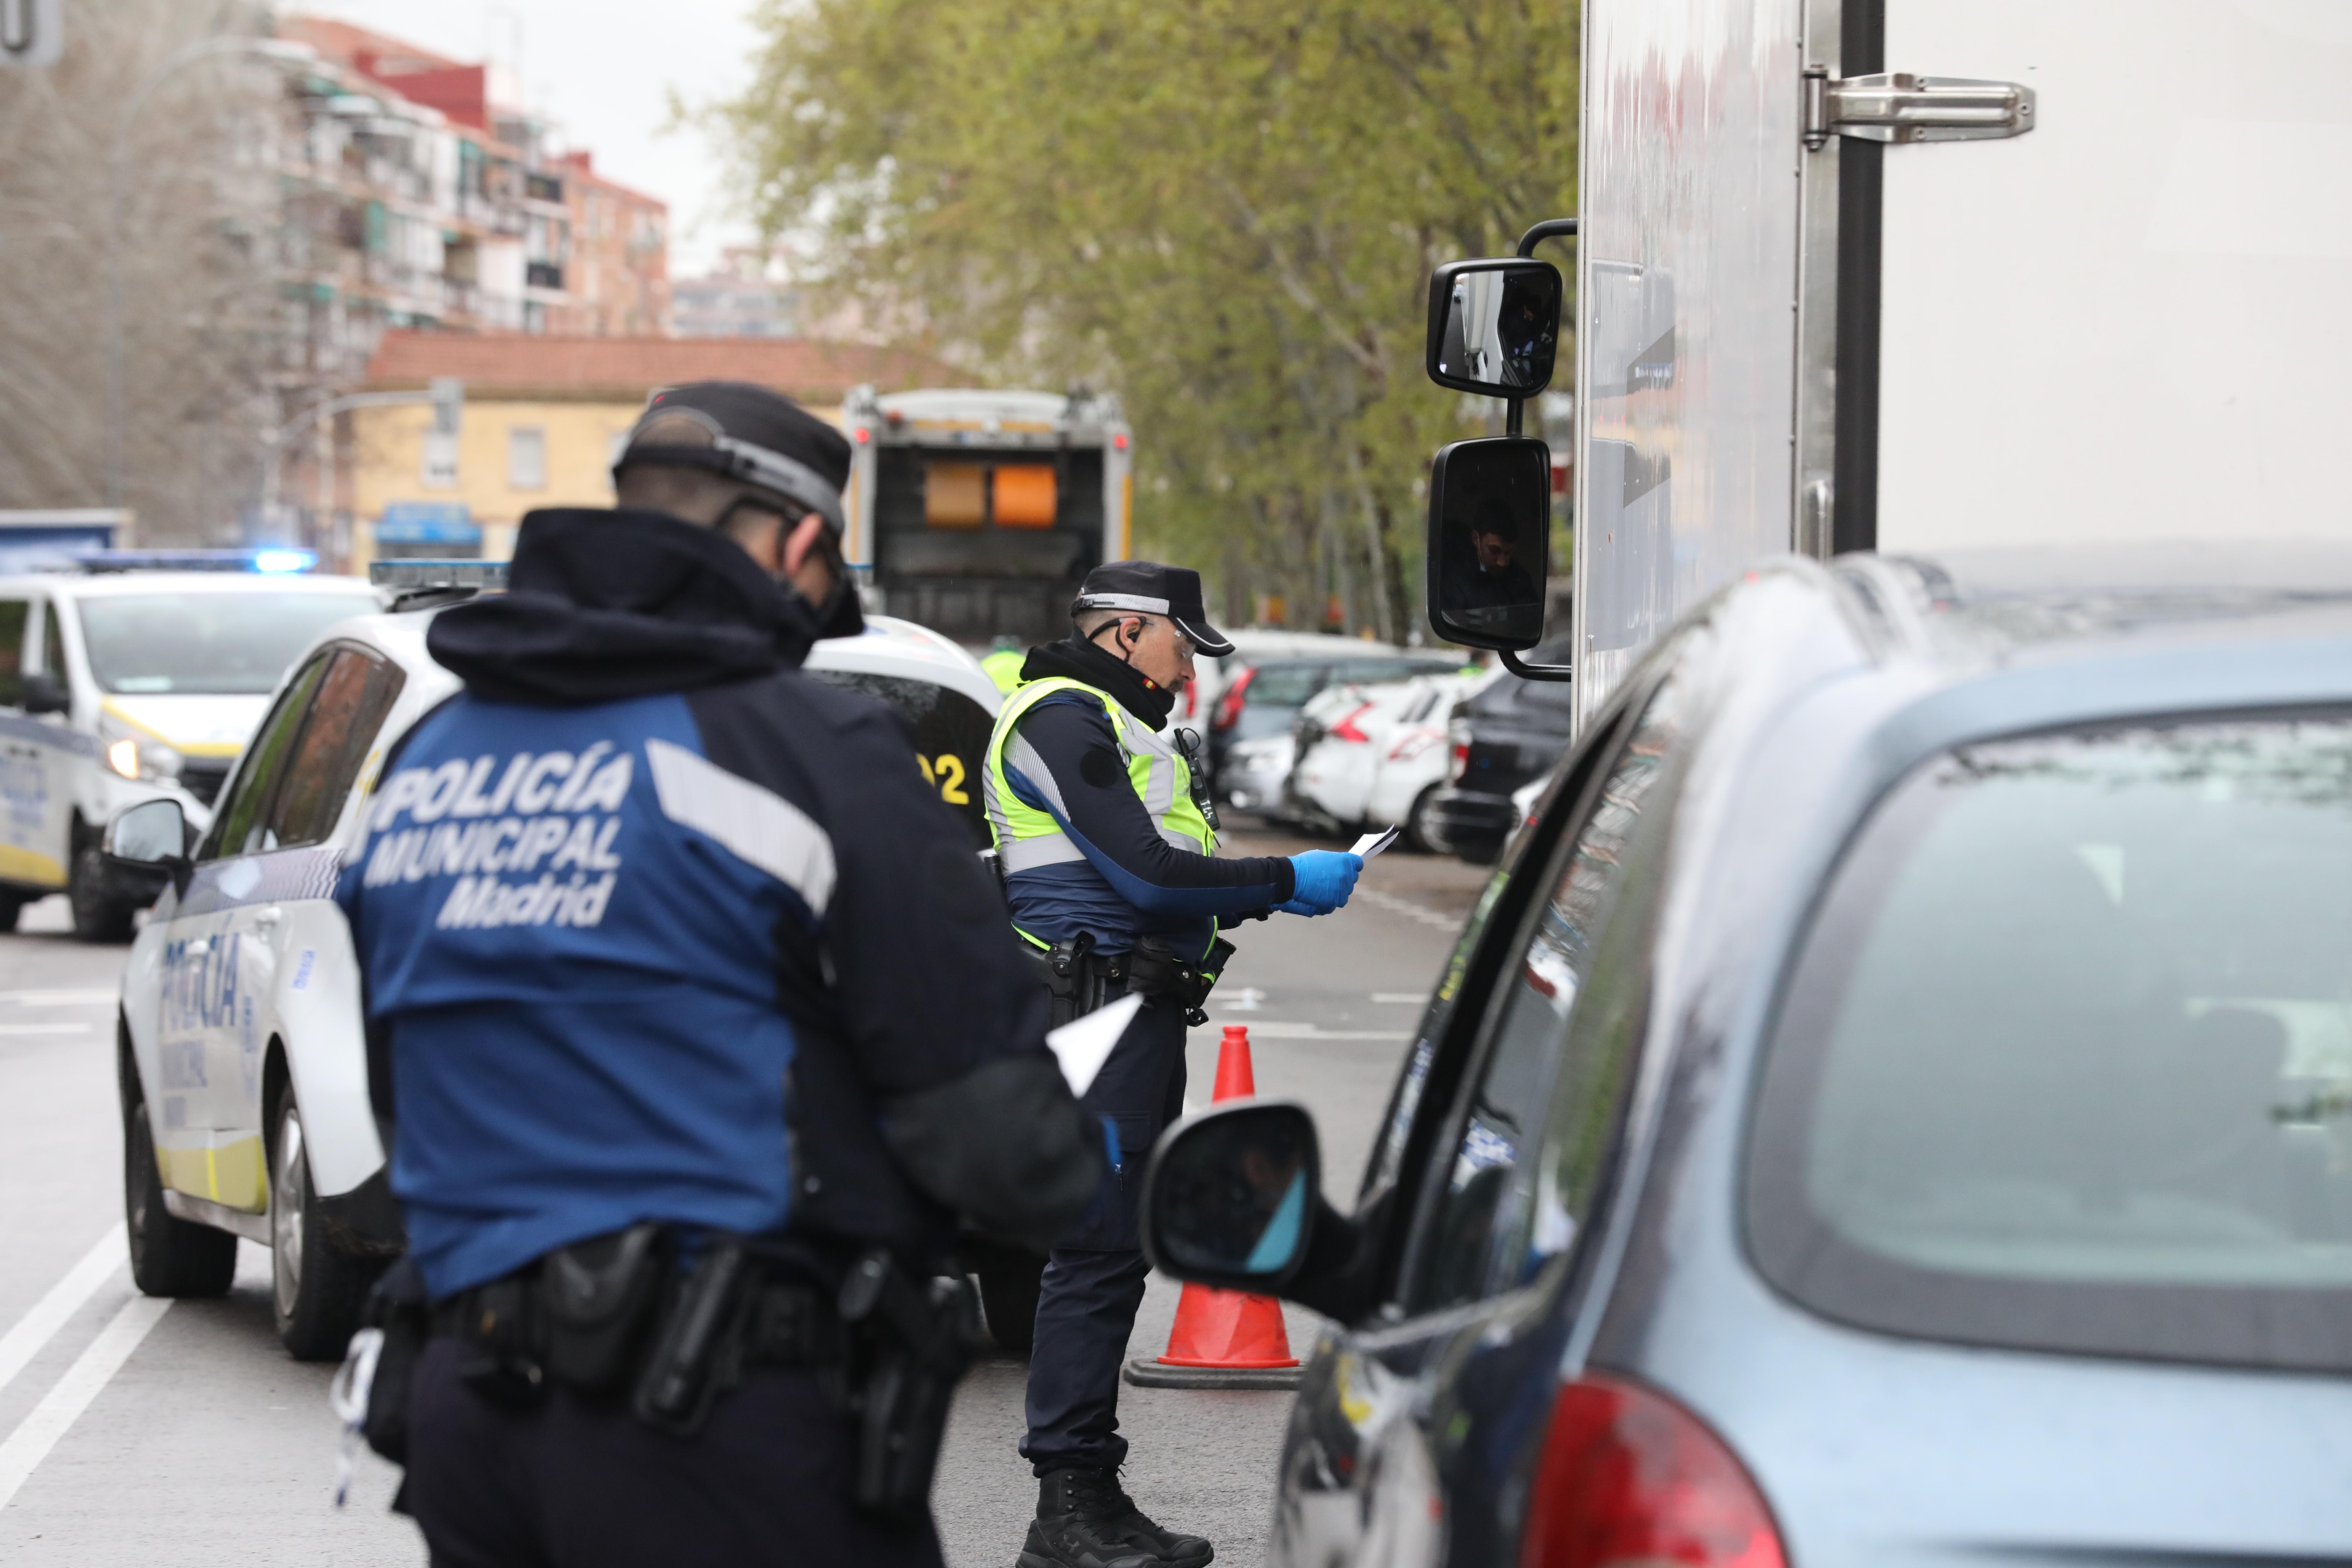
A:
{"x":754,"y":824}
{"x":1056,"y":848}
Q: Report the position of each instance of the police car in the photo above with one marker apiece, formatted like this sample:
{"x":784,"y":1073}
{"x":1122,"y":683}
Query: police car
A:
{"x":119,"y":683}
{"x":242,"y":1050}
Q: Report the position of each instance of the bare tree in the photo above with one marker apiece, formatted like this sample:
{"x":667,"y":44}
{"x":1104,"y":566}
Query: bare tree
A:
{"x":199,"y":220}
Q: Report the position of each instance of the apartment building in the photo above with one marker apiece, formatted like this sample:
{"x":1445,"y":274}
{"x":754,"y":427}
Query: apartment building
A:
{"x":544,"y":418}
{"x":419,"y":199}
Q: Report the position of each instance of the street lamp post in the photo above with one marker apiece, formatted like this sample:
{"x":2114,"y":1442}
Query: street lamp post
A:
{"x":280,"y":49}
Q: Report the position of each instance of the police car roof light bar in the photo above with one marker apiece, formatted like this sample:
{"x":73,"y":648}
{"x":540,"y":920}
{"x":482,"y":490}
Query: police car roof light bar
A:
{"x":428,"y":584}
{"x":271,"y":560}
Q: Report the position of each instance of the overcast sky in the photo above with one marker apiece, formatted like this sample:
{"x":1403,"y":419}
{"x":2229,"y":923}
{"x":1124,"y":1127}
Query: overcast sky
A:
{"x":605,"y":68}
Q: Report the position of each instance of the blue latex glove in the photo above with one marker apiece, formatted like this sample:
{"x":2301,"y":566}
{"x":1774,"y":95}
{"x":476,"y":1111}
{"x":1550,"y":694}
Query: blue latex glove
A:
{"x":1322,"y":880}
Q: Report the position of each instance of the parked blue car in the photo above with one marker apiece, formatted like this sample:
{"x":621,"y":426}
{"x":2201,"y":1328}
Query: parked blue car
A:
{"x":1894,"y":1107}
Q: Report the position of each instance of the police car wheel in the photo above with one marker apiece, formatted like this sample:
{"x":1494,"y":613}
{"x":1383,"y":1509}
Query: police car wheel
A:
{"x":169,"y":1255}
{"x":98,"y":915}
{"x":316,"y":1291}
{"x":1008,"y":1293}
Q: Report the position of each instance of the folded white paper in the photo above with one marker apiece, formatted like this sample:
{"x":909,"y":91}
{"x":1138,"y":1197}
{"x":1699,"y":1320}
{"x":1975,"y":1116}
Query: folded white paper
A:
{"x":1372,"y":843}
{"x":1083,"y":1044}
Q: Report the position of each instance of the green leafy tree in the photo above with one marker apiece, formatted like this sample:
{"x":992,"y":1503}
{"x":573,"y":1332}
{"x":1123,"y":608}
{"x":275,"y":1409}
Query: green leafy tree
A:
{"x":1228,"y":210}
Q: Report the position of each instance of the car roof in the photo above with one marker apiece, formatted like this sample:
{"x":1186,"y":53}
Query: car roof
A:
{"x":888,"y":646}
{"x":113,"y":584}
{"x":1966,"y":614}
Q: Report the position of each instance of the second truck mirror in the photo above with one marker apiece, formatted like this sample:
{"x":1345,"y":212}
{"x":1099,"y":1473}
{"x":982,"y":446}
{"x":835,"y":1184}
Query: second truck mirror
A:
{"x":1494,"y":326}
{"x":1489,"y":548}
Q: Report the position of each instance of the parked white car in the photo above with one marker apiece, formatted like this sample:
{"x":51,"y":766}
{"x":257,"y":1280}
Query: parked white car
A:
{"x":242,"y":1047}
{"x":1370,"y":756}
{"x":119,"y":686}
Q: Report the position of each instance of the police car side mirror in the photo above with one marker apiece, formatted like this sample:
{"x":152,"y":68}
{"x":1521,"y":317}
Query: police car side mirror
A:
{"x":147,"y":845}
{"x":1231,"y":1195}
{"x":47,"y":693}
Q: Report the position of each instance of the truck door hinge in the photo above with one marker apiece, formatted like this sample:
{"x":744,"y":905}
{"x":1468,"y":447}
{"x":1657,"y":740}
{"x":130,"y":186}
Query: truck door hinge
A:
{"x":1895,"y":106}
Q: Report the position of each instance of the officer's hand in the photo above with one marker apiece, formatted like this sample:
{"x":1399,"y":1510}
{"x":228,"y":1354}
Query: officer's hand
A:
{"x":1322,"y":880}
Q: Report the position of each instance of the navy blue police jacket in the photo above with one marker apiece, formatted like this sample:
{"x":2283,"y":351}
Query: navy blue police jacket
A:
{"x":655,"y":927}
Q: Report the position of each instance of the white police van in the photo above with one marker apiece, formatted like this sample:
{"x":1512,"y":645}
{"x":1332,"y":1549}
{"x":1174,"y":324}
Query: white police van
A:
{"x":242,"y":1049}
{"x":127,"y":680}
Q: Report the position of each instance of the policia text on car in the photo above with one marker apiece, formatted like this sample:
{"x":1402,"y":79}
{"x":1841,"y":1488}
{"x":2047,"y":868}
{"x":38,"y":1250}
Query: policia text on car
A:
{"x":1104,"y":834}
{"x":681,"y":1124}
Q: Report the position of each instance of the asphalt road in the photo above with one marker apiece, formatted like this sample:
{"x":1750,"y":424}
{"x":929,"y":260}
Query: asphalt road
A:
{"x":134,"y":1431}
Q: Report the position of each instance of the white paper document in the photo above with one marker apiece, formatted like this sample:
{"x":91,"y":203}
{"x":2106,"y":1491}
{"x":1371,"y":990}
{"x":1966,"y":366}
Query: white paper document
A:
{"x":1372,"y":843}
{"x":1083,"y":1044}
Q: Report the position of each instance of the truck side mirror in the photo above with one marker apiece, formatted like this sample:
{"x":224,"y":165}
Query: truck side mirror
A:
{"x":1229,"y":1196}
{"x":147,"y":845}
{"x":1494,"y":325}
{"x":1489,"y":547}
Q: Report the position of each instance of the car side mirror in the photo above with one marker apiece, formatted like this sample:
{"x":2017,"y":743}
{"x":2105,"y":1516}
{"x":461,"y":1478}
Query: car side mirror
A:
{"x":47,"y":693}
{"x":1231,"y":1194}
{"x":1490,"y":545}
{"x":148,"y":843}
{"x":1494,"y":325}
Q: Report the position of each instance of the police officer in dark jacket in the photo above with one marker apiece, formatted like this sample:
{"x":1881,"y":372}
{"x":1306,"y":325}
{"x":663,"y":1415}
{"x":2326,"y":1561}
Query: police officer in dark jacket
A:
{"x":701,"y":1025}
{"x":1108,"y":851}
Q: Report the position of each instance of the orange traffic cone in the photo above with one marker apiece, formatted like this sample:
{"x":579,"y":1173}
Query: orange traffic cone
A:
{"x":1223,"y":1339}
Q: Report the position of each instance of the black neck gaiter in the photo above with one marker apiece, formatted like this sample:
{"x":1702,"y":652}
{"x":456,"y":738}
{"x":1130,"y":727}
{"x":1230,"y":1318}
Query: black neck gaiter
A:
{"x":1090,"y":662}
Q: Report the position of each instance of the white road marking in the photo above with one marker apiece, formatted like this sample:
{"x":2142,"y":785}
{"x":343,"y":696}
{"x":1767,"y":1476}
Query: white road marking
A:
{"x":1400,"y":998}
{"x":1272,"y":1029}
{"x":54,"y":1416}
{"x":58,"y":998}
{"x":1408,"y":908}
{"x":37,"y":1327}
{"x":44,"y":1028}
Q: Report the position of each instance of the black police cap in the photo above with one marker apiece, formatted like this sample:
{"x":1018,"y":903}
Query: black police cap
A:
{"x":761,"y":437}
{"x":1146,"y":587}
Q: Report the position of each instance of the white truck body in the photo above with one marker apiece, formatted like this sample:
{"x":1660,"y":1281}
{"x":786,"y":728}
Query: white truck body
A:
{"x":2125,"y":313}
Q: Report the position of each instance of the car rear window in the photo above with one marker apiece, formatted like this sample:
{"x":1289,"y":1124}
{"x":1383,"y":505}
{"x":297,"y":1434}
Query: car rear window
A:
{"x":951,"y":733}
{"x":1286,"y":685}
{"x":2065,"y":1061}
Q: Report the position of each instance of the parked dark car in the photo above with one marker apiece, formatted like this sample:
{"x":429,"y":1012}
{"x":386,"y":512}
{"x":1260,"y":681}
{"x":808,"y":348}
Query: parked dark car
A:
{"x":1891,"y":1111}
{"x":1264,"y":697}
{"x":1509,"y":733}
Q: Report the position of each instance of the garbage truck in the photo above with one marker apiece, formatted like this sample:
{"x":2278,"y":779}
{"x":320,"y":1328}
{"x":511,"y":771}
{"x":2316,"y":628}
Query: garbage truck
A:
{"x":977,"y":514}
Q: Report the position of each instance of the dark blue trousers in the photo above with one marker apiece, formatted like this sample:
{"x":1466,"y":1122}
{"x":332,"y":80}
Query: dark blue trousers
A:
{"x":1094,"y":1281}
{"x":575,"y":1485}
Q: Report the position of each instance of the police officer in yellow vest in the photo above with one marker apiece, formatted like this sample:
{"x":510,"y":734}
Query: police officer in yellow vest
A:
{"x":1108,"y":851}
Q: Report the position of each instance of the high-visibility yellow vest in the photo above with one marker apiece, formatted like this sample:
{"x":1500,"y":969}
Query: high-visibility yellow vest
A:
{"x":1028,"y":838}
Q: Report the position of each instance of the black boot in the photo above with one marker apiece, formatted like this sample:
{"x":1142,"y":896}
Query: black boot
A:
{"x":1085,"y":1520}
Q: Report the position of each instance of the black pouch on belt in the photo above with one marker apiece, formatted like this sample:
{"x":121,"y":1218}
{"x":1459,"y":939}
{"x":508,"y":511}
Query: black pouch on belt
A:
{"x":598,"y":1296}
{"x":1181,"y":983}
{"x":499,"y":1325}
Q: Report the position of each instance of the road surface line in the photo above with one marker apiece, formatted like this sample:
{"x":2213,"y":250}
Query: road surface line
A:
{"x":1408,"y":908}
{"x":54,"y":1416}
{"x":59,"y":998}
{"x":37,"y":1327}
{"x":1279,"y":1029}
{"x":44,"y":1028}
